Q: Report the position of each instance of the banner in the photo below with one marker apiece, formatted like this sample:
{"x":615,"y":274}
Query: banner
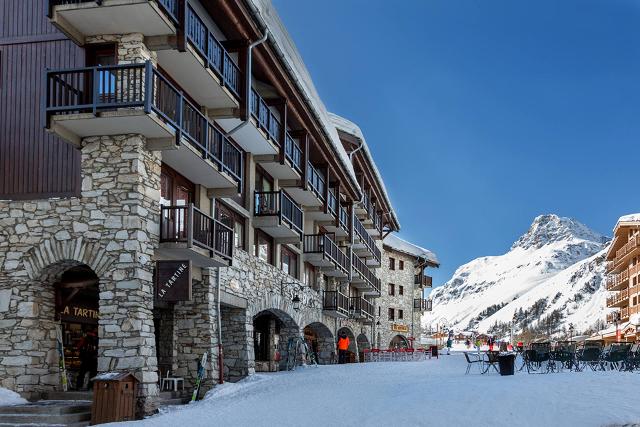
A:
{"x":173,"y":281}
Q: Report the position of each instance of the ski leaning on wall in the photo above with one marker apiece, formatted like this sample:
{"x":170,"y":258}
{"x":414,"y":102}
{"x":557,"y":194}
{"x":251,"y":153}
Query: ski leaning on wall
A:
{"x":201,"y":374}
{"x":61,"y":364}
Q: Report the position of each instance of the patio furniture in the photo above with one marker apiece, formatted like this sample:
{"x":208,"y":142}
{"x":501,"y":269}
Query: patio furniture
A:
{"x":474,"y":359}
{"x":537,"y":358}
{"x":613,"y":355}
{"x":588,"y":355}
{"x":632,"y":360}
{"x":491,"y":361}
{"x":172,"y":382}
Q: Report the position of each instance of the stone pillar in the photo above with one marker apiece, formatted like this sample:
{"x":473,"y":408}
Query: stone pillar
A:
{"x":235,"y":338}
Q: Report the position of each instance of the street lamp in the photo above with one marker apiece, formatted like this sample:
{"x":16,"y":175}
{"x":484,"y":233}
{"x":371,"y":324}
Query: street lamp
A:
{"x":296,"y":302}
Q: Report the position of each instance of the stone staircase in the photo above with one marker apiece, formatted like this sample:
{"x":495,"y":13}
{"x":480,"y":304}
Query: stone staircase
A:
{"x":74,"y":413}
{"x":169,"y":398}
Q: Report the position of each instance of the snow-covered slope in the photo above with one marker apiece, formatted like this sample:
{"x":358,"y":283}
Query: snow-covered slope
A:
{"x":552,"y":276}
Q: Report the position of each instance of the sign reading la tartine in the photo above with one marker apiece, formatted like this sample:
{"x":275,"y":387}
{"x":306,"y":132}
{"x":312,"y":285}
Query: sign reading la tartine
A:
{"x":173,"y":281}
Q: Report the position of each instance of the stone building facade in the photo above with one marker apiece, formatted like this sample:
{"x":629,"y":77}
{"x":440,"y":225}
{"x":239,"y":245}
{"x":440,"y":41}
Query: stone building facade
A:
{"x":280,"y":219}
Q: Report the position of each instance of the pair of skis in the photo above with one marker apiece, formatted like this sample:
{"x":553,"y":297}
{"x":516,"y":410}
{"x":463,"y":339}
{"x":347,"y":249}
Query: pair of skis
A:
{"x":61,"y":364}
{"x":201,"y":375}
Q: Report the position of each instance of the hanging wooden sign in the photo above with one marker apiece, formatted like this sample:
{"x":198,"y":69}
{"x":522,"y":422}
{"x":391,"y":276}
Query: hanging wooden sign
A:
{"x":173,"y":281}
{"x":399,"y":328}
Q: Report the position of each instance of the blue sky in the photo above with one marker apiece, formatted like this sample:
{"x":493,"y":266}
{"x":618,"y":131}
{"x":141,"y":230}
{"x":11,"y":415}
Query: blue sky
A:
{"x":483,"y":114}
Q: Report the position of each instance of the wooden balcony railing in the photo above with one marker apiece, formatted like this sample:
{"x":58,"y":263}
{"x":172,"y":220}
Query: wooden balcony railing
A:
{"x":421,"y":304}
{"x":112,"y":87}
{"x":615,"y":280}
{"x":322,"y":244}
{"x":211,"y":50}
{"x":366,"y":239}
{"x":624,"y":313}
{"x":360,"y":268}
{"x":423,"y":280}
{"x":278,"y":203}
{"x":360,"y":308}
{"x":612,"y":317}
{"x":293,"y":152}
{"x":267,"y":121}
{"x":626,"y":249}
{"x":188,"y":224}
{"x":335,"y":301}
{"x":618,"y":297}
{"x":316,"y":181}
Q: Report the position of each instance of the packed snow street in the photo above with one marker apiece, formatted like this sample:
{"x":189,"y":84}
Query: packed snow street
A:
{"x":431,"y":392}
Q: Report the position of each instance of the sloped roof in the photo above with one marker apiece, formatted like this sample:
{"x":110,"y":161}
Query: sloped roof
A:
{"x":396,"y":243}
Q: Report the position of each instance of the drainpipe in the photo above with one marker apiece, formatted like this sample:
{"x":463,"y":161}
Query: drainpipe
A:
{"x":220,"y":350}
{"x":248,"y":83}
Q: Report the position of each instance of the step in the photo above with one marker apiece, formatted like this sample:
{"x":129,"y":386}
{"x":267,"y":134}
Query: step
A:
{"x":69,"y":395}
{"x":56,"y":407}
{"x":45,"y":419}
{"x":172,"y":402}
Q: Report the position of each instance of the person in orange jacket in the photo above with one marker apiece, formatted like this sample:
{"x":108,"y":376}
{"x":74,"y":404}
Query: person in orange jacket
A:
{"x":343,"y":347}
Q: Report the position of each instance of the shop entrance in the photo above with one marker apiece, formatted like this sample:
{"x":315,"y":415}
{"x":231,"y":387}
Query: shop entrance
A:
{"x":398,"y":342}
{"x":272,"y":330}
{"x":353,"y":348}
{"x":363,"y":343}
{"x":320,"y":341}
{"x":77,"y":305}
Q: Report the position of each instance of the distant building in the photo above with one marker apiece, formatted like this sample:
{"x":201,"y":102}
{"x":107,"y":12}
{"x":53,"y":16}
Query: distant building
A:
{"x":623,"y":267}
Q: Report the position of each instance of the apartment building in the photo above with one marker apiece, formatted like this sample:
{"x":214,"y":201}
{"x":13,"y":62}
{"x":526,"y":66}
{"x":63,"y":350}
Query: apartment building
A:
{"x":623,"y":267}
{"x":402,"y":302}
{"x":173,"y":185}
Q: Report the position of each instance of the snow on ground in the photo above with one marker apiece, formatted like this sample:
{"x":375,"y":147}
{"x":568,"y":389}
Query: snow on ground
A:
{"x":8,"y":397}
{"x":431,"y":392}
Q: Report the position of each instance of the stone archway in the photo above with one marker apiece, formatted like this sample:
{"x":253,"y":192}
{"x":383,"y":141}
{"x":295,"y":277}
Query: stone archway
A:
{"x":399,"y":341}
{"x":321,"y":342}
{"x":363,"y":343}
{"x":272,"y":329}
{"x":353,"y":344}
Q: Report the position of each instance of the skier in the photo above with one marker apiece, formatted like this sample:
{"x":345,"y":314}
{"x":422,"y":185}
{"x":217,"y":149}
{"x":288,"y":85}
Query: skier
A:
{"x":343,"y":346}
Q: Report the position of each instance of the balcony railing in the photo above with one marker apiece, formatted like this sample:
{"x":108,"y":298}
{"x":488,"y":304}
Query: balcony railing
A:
{"x":423,"y":280}
{"x":293,"y":152}
{"x":322,"y":244}
{"x":278,"y":203}
{"x":615,"y":280}
{"x":366,"y":239}
{"x":188,"y":224}
{"x":624,"y":313}
{"x":618,"y":297}
{"x":360,"y":308}
{"x":332,"y":203}
{"x":626,"y":249}
{"x":267,"y":121}
{"x":107,"y":88}
{"x":421,"y":304}
{"x":316,"y":181}
{"x":365,"y":272}
{"x":343,"y":218}
{"x":335,"y":301}
{"x":211,"y":50}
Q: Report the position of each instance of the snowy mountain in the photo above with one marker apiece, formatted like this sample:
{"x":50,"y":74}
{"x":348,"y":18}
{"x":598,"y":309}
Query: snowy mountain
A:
{"x":552,"y":276}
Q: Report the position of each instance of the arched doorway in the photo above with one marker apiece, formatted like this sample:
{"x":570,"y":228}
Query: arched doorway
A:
{"x":320,"y":341}
{"x":77,"y":311}
{"x":399,"y":341}
{"x":353,"y":346}
{"x":272,"y":329}
{"x":363,"y":343}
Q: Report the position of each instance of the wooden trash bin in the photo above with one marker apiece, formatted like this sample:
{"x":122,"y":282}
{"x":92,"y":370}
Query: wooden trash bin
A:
{"x":114,"y":397}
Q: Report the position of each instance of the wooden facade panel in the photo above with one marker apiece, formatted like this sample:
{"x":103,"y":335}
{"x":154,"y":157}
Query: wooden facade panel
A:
{"x":33,"y":163}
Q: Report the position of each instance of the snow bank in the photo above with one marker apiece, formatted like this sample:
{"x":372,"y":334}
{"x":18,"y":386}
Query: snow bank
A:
{"x":10,"y":398}
{"x":400,"y":245}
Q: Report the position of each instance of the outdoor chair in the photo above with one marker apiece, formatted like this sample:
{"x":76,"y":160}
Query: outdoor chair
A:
{"x":491,"y":361}
{"x":632,"y":360}
{"x":613,"y":356}
{"x":588,"y":355}
{"x":563,"y":356}
{"x":170,"y":383}
{"x":471,"y":360}
{"x":537,"y":358}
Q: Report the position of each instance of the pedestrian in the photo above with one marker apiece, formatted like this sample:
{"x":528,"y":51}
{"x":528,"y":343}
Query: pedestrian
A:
{"x":343,"y":347}
{"x":490,"y":342}
{"x":467,"y":343}
{"x":449,"y":345}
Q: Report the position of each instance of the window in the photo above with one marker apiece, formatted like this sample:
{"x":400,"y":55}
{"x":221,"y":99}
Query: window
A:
{"x":400,"y":314}
{"x":391,"y":314}
{"x":263,"y":247}
{"x":288,"y":261}
{"x":309,"y":275}
{"x":401,"y":264}
{"x":392,"y":289}
{"x":401,"y":290}
{"x":263,"y":181}
{"x":392,"y":264}
{"x":233,"y":220}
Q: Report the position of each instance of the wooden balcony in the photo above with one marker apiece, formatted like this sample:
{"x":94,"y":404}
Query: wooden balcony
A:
{"x":321,"y":251}
{"x":618,"y":281}
{"x":188,"y":233}
{"x":360,"y":309}
{"x":421,"y":304}
{"x":278,"y":215}
{"x":624,"y":255}
{"x":363,"y":278}
{"x":335,"y":304}
{"x":138,"y":99}
{"x":423,"y":281}
{"x":619,"y":298}
{"x":79,"y":19}
{"x":364,"y":245}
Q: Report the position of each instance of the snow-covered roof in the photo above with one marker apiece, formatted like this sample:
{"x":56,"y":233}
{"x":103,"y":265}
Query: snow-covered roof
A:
{"x":394,"y":242}
{"x":629,"y":218}
{"x":351,"y":128}
{"x":284,"y":46}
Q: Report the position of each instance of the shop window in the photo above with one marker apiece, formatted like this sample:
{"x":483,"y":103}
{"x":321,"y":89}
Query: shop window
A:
{"x":231,"y":219}
{"x":263,"y":247}
{"x":392,"y":289}
{"x":401,"y":290}
{"x":400,"y":314}
{"x":288,"y":261}
{"x":392,"y":264}
{"x":392,"y":314}
{"x":401,"y":265}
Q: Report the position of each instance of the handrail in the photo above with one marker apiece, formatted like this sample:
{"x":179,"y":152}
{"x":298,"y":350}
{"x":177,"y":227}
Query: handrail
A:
{"x":293,"y":152}
{"x":360,"y":267}
{"x":368,"y":241}
{"x":422,"y":304}
{"x":316,"y":180}
{"x":267,"y":121}
{"x":343,"y":218}
{"x":278,"y":203}
{"x":332,"y":203}
{"x":94,"y":89}
{"x":322,"y":243}
{"x":335,"y":301}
